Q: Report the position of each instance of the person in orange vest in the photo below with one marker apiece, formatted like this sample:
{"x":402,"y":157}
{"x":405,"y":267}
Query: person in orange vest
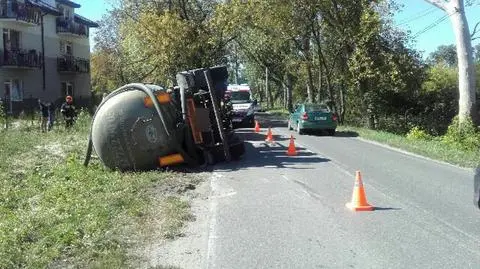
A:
{"x":68,"y":112}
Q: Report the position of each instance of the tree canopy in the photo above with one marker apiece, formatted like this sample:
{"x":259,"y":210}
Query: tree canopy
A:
{"x":346,"y":53}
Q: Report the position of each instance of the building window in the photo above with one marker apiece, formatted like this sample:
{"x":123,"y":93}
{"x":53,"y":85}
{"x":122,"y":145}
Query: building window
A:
{"x":11,"y":39}
{"x":67,"y":14}
{"x":66,"y":48}
{"x":67,"y":88}
{"x":14,"y":89}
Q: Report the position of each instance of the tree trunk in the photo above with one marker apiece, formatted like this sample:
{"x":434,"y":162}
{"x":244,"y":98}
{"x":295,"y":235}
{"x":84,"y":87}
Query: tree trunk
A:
{"x":320,"y":84}
{"x":331,"y":95}
{"x":310,"y":86}
{"x":342,"y":103}
{"x":268,"y":96}
{"x":260,"y":92}
{"x":289,"y":93}
{"x":236,"y":64}
{"x":466,"y":68}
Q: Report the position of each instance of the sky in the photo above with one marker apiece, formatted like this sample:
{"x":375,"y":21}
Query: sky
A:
{"x":414,"y":16}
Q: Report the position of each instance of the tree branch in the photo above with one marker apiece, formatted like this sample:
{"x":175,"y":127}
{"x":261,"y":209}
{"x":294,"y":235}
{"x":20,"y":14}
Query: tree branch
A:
{"x":472,"y":36}
{"x":441,"y":4}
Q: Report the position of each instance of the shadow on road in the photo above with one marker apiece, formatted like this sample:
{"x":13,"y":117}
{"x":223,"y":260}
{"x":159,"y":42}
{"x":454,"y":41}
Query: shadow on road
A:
{"x":258,"y":153}
{"x":385,"y":208}
{"x":272,"y":157}
{"x":250,"y":135}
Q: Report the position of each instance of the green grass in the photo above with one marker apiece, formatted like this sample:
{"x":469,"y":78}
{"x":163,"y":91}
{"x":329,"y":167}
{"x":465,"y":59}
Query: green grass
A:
{"x":176,"y":212}
{"x":57,"y":213}
{"x":434,"y":148}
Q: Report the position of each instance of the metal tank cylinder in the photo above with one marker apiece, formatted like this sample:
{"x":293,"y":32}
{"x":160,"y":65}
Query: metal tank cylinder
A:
{"x":127,"y":134}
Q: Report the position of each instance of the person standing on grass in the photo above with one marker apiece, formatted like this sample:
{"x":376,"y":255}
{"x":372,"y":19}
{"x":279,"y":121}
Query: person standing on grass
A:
{"x":44,"y":116}
{"x":68,"y":111}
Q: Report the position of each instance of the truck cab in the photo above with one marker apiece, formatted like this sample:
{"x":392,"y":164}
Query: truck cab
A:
{"x":243,"y":105}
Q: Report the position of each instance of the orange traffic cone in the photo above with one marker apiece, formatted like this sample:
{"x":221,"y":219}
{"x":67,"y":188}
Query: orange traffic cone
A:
{"x":359,"y":199}
{"x":291,"y":148}
{"x":269,"y":135}
{"x":257,"y":127}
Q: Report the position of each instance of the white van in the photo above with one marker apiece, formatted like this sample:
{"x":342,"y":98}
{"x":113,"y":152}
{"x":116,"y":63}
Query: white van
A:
{"x":243,"y":105}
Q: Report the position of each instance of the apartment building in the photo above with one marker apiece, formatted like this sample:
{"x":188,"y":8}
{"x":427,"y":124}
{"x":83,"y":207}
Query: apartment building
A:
{"x":44,"y":53}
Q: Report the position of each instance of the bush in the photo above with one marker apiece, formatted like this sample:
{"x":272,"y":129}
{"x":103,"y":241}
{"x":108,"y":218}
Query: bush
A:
{"x":84,"y":120}
{"x":464,"y":136}
{"x":416,"y":133}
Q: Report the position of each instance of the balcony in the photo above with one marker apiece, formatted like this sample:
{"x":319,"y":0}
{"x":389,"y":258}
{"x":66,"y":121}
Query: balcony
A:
{"x":70,"y":64}
{"x":19,"y":12}
{"x":21,"y":59}
{"x":71,"y":28}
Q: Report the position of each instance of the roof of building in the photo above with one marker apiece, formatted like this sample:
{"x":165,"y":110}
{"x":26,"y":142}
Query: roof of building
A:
{"x":85,"y":21}
{"x":45,"y":7}
{"x":69,"y":3}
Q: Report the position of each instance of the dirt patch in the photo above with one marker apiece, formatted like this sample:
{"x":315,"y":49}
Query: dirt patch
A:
{"x":188,"y":248}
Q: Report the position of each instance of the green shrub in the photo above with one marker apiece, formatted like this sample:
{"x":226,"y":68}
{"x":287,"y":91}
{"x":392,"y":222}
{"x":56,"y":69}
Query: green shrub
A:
{"x":84,"y":120}
{"x":464,"y":136}
{"x":416,"y":133}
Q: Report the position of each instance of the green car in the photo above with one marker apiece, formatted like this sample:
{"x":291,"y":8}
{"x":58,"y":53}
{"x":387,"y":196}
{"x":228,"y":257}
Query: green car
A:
{"x":312,"y":117}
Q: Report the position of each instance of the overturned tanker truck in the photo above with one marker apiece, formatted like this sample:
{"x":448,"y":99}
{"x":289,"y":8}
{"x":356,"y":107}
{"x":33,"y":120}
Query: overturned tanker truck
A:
{"x":144,"y":127}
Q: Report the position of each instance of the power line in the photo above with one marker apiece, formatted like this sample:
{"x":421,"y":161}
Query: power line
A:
{"x":418,"y":15}
{"x":434,"y":24}
{"x":431,"y":26}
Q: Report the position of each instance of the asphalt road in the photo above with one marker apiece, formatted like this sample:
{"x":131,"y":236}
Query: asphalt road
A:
{"x":274,"y":211}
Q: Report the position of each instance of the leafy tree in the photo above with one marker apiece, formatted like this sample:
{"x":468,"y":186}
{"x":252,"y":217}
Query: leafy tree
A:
{"x":477,"y":53}
{"x":445,"y":54}
{"x":153,"y":40}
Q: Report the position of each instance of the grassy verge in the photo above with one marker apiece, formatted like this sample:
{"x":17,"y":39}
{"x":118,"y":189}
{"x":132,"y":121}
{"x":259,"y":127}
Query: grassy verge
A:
{"x":57,"y":213}
{"x":434,"y":148}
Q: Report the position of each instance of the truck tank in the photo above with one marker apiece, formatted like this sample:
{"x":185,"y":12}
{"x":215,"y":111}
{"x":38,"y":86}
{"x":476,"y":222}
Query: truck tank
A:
{"x":127,"y":134}
{"x":142,"y":127}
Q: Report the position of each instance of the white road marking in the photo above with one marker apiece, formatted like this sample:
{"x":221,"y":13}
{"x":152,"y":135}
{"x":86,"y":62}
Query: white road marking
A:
{"x":305,"y":148}
{"x":410,"y":154}
{"x":213,"y":221}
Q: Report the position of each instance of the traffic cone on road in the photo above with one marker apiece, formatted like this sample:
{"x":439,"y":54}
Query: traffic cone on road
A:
{"x":291,"y":148}
{"x":269,"y":136}
{"x":257,"y":127}
{"x":359,"y":199}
